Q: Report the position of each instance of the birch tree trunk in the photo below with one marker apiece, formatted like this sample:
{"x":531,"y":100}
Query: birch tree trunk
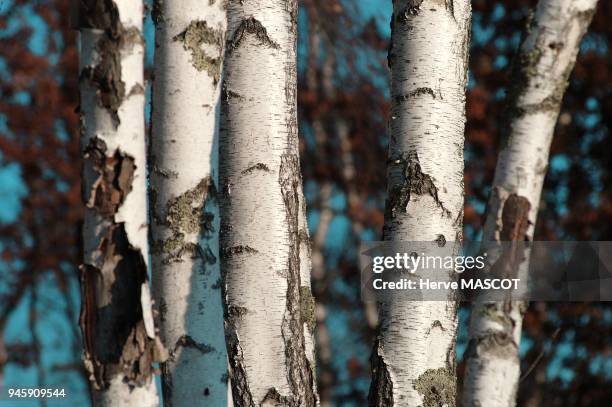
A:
{"x":190,"y":37}
{"x":265,"y":255}
{"x":545,"y":60}
{"x":413,"y":361}
{"x":119,"y":335}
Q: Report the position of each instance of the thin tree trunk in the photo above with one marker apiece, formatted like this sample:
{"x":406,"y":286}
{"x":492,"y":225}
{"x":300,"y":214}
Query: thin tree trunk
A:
{"x":269,"y":308}
{"x":413,"y":362}
{"x":190,"y":36}
{"x":116,"y":315}
{"x":545,"y":60}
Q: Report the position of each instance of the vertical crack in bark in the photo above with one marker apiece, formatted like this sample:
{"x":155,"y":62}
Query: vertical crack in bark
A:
{"x":381,"y":388}
{"x":413,"y":182}
{"x":241,"y":393}
{"x":299,"y":371}
{"x":106,"y":75}
{"x":197,"y":34}
{"x":167,"y":384}
{"x":253,"y":27}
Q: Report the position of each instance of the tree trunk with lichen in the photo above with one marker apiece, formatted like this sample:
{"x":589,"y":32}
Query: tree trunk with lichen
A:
{"x":189,"y":41}
{"x":413,"y":361}
{"x":120,"y":340}
{"x":545,"y":60}
{"x":265,"y":254}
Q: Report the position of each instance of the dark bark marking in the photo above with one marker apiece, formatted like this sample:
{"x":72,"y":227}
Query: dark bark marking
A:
{"x":441,"y":240}
{"x":381,"y":388}
{"x":412,"y":9}
{"x":293,"y":16}
{"x":272,"y":395}
{"x":98,"y":14}
{"x":413,"y":182}
{"x":183,"y":215}
{"x":137,"y":89}
{"x":228,"y":252}
{"x":437,"y":324}
{"x":115,"y":175}
{"x":241,"y":393}
{"x":157,"y":15}
{"x":106,"y":76}
{"x":166,"y":384}
{"x":515,"y":218}
{"x":228,"y":95}
{"x":185,"y":212}
{"x":514,"y":225}
{"x":399,"y":99}
{"x":256,"y":167}
{"x":307,"y":308}
{"x":193,"y":37}
{"x":186,"y":341}
{"x":163,"y":172}
{"x":437,"y":387}
{"x":217,"y":284}
{"x":525,"y":69}
{"x":500,"y":344}
{"x":450,"y":7}
{"x":254,"y":27}
{"x":451,"y":352}
{"x":114,"y":334}
{"x":299,"y":369}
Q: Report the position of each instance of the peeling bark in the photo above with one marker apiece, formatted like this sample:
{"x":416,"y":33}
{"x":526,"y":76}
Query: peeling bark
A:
{"x":413,"y":359}
{"x":190,"y":41}
{"x":120,"y":339}
{"x":541,"y":71}
{"x":269,"y":317}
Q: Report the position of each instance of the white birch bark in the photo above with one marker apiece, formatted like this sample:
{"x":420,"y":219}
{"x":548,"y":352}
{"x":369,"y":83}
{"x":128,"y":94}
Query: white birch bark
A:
{"x":264,"y":240}
{"x":545,"y":60}
{"x":413,"y":362}
{"x":116,"y":315}
{"x":190,"y":38}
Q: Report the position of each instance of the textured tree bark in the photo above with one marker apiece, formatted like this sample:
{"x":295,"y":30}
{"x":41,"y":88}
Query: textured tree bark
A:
{"x":413,"y":361}
{"x":190,"y":38}
{"x":546,"y":58}
{"x":119,"y":335}
{"x":269,"y":308}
